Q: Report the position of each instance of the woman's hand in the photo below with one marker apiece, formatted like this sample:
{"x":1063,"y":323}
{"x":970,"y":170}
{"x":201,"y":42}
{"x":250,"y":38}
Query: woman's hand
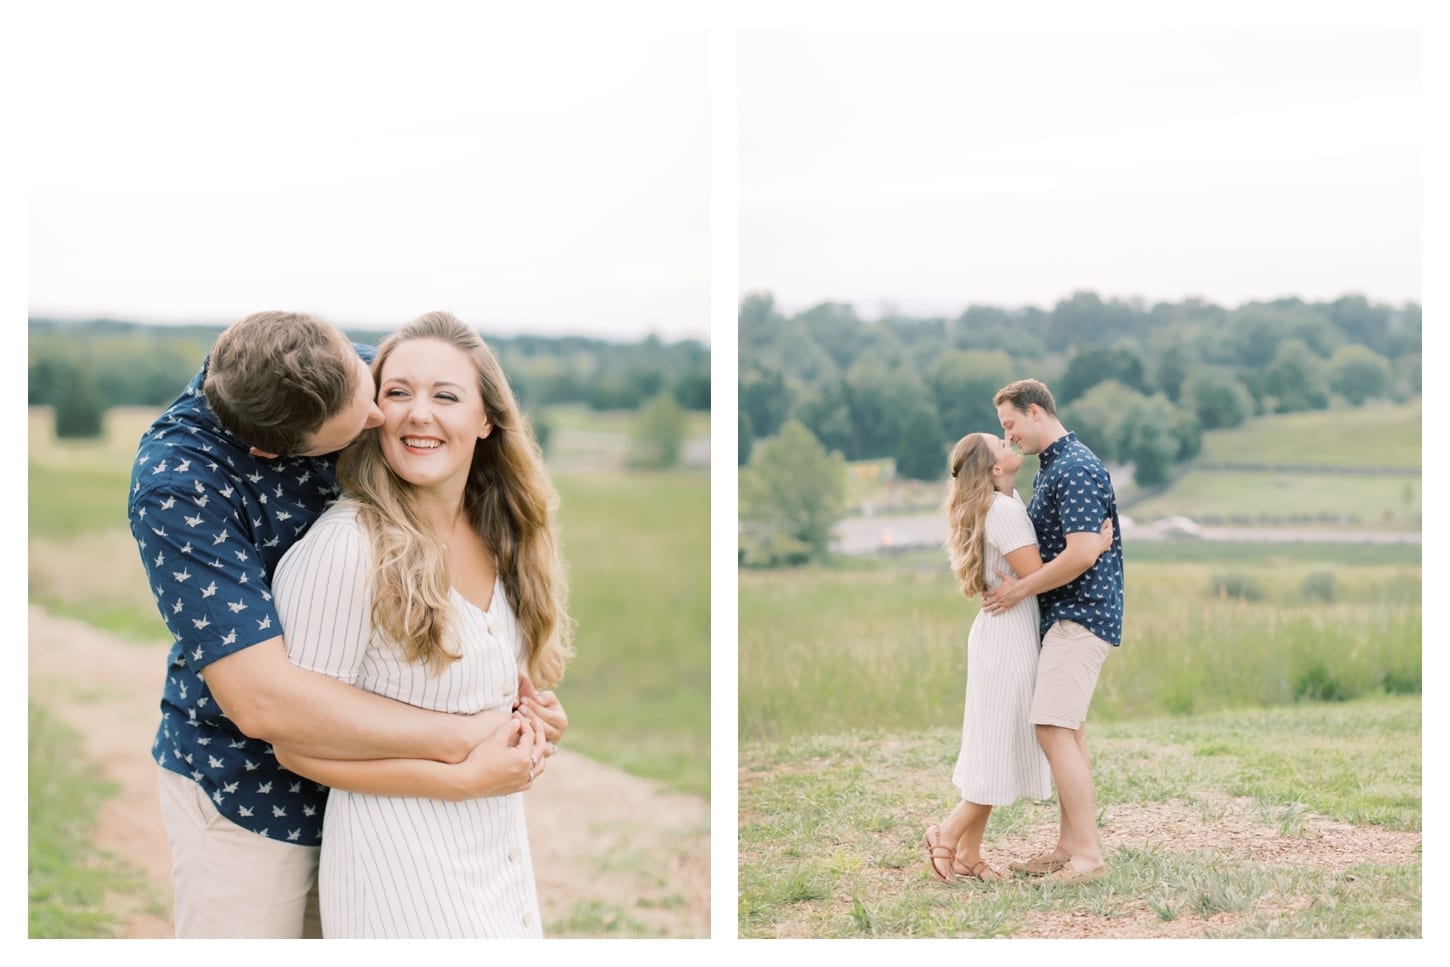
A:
{"x":507,"y":762}
{"x":545,"y":707}
{"x":1107,"y":537}
{"x":1005,"y":596}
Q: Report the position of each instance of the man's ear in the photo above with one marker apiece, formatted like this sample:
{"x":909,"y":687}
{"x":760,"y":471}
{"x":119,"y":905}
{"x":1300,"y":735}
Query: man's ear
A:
{"x":262,"y":453}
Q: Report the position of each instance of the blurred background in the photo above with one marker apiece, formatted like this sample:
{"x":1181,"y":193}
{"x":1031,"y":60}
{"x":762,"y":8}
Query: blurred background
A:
{"x":1208,"y":244}
{"x":548,"y":187}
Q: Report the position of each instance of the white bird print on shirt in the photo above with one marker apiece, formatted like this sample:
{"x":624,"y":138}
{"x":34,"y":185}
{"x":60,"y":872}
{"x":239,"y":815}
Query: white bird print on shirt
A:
{"x":182,"y":575}
{"x":237,"y":606}
{"x":168,"y":503}
{"x":193,"y":521}
{"x":209,"y":590}
{"x":200,"y":623}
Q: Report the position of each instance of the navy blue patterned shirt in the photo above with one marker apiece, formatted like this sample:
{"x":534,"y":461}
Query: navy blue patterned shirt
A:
{"x":1072,"y":493}
{"x":211,"y":522}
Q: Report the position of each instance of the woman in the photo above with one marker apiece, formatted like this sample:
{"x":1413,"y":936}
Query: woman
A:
{"x":435,"y":580}
{"x":1000,"y":761}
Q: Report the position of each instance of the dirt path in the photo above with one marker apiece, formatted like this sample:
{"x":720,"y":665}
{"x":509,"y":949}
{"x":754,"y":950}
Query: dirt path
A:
{"x":613,"y":854}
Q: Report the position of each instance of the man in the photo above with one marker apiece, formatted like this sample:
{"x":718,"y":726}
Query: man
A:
{"x":225,"y":481}
{"x":1080,"y":596}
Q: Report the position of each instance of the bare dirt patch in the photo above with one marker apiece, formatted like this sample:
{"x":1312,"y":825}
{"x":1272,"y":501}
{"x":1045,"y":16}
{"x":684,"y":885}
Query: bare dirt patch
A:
{"x":612,"y":853}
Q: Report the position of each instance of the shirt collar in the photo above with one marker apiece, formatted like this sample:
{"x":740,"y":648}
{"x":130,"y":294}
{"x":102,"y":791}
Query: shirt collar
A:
{"x":1054,"y":451}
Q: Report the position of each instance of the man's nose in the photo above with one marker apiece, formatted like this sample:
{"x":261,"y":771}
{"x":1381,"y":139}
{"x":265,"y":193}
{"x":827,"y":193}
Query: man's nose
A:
{"x":375,"y":417}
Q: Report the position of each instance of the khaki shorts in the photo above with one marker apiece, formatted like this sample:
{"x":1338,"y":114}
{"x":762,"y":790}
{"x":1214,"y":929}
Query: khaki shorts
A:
{"x":1067,"y":674}
{"x":230,"y":881}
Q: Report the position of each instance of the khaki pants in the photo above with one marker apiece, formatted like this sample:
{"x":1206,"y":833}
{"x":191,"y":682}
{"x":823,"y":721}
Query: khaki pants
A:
{"x":1067,"y":675}
{"x":229,"y":881}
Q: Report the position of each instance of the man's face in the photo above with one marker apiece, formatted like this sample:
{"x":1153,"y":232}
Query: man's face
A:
{"x":1022,"y":430}
{"x":342,"y":428}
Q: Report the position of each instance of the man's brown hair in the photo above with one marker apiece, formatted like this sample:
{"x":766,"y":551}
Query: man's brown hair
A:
{"x":1023,"y":393}
{"x":275,"y":377}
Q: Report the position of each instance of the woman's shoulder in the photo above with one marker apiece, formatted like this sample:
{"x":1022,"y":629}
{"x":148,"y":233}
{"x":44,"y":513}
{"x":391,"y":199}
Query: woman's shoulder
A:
{"x":1007,"y":503}
{"x":336,"y":531}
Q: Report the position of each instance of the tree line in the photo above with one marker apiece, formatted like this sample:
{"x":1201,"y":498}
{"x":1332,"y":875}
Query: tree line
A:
{"x":84,"y":367}
{"x":1138,"y":383}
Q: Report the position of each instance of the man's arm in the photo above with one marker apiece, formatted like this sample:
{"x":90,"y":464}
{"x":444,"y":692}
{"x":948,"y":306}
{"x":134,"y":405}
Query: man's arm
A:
{"x":1082,"y":551}
{"x":270,"y":698}
{"x":507,"y":762}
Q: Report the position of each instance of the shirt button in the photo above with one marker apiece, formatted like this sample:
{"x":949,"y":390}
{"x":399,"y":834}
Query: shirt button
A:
{"x":528,"y":919}
{"x":514,"y":855}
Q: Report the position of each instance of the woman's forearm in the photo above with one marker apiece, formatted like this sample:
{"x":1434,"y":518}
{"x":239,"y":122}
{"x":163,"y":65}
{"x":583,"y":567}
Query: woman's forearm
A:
{"x":422,"y":778}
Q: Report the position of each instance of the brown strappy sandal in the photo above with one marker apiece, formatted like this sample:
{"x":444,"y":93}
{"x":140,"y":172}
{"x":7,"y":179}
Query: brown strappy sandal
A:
{"x":980,"y":870}
{"x":935,"y":852}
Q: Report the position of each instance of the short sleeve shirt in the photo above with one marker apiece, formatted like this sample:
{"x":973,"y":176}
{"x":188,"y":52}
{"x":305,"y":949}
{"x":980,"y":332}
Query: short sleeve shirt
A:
{"x":211,"y":522}
{"x":1073,"y":493}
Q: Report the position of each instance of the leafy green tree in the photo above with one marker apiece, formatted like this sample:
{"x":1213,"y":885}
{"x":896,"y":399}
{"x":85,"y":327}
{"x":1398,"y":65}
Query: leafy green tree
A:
{"x":1097,"y":417}
{"x":1095,"y":364}
{"x":744,"y":440}
{"x":1217,"y":397}
{"x":823,"y":410}
{"x":1358,"y":373}
{"x":792,"y":493}
{"x":658,"y":434}
{"x":880,"y":397}
{"x":1147,"y":441}
{"x":765,"y":397}
{"x":962,"y":385}
{"x":921,"y":452}
{"x":79,"y":411}
{"x":1084,"y":319}
{"x":1298,"y":378}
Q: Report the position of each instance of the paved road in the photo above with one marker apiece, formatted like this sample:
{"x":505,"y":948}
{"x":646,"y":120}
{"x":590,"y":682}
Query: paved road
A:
{"x":869,"y":535}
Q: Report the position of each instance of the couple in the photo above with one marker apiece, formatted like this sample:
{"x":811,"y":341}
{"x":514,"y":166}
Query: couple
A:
{"x":1051,"y":580}
{"x":417,"y":579}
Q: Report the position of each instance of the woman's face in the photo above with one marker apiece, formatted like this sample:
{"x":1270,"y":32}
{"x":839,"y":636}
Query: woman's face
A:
{"x":1005,"y":455}
{"x":433,"y":413}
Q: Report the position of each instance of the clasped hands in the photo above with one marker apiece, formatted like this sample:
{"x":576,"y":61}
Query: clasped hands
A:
{"x":517,"y":742}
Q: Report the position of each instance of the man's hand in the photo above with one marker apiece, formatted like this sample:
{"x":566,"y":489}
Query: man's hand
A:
{"x":1005,"y":596}
{"x":545,"y":707}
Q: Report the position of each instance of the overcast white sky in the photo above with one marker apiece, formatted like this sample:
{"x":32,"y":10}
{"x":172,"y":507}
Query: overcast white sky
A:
{"x":932,"y":170}
{"x":369,"y":169}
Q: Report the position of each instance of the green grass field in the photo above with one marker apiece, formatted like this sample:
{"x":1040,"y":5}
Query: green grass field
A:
{"x":1212,"y":826}
{"x":827,"y":650}
{"x":1369,"y":436}
{"x":637,"y":548}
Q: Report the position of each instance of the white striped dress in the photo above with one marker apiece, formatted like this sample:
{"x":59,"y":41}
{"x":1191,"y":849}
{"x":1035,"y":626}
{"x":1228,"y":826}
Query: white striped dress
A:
{"x":1000,"y":761}
{"x":395,"y":866}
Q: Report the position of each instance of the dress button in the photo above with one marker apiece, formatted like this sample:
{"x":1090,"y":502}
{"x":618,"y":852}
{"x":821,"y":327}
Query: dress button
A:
{"x":528,"y":919}
{"x":514,"y":855}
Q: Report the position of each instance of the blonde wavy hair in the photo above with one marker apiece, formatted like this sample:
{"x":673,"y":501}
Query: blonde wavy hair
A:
{"x":969,"y":496}
{"x":509,"y":501}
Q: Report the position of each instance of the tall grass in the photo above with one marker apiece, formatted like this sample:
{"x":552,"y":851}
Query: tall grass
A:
{"x":832,"y":651}
{"x":637,"y":548}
